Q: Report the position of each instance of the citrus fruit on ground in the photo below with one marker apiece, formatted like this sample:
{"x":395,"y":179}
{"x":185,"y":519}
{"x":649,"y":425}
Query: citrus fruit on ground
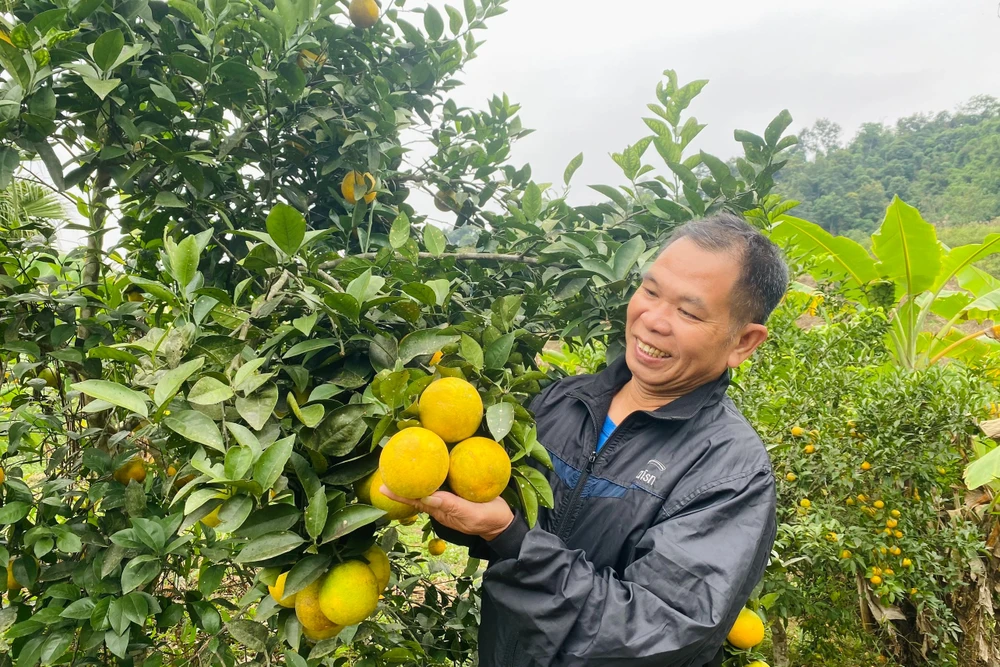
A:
{"x":379,"y":564}
{"x":134,"y":469}
{"x":349,"y":594}
{"x":479,"y":469}
{"x":393,"y":509}
{"x":748,"y":631}
{"x":320,"y":635}
{"x":361,"y":489}
{"x":452,"y":408}
{"x":308,"y":611}
{"x":414,"y":463}
{"x":278,"y":592}
{"x":212,"y":518}
{"x":436,"y":546}
{"x":12,"y":583}
{"x":50,"y":376}
{"x":352,"y":179}
{"x":364,"y":13}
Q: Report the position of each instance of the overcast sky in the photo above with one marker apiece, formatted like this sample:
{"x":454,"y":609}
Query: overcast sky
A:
{"x":584,"y":70}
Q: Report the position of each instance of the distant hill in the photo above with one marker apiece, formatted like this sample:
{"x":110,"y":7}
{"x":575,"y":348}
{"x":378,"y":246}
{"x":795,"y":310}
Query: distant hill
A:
{"x":945,"y":164}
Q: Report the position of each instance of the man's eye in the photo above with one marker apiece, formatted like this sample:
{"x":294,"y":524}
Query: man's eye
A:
{"x":649,"y":291}
{"x":687,"y":314}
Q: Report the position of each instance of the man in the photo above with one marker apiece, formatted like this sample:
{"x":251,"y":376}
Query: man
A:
{"x":664,"y":512}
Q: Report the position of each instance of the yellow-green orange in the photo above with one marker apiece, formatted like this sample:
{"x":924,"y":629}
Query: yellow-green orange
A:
{"x":278,"y":592}
{"x":393,"y":509}
{"x":212,"y":518}
{"x":320,"y":635}
{"x":479,"y":469}
{"x":134,"y":469}
{"x":50,"y":376}
{"x":308,"y":611}
{"x":350,"y":183}
{"x":349,"y":594}
{"x":452,"y":408}
{"x":12,"y":583}
{"x":361,"y":489}
{"x":364,"y":13}
{"x":379,"y":564}
{"x":414,"y":463}
{"x":436,"y":546}
{"x":748,"y":631}
{"x":3,"y":476}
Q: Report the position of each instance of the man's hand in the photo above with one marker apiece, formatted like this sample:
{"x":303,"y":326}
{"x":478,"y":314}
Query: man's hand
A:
{"x":486,"y":520}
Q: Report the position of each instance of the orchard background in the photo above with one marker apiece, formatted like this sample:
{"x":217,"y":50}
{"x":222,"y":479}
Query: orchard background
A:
{"x":186,"y":413}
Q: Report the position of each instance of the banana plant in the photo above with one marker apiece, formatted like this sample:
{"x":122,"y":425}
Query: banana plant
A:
{"x":910,"y":274}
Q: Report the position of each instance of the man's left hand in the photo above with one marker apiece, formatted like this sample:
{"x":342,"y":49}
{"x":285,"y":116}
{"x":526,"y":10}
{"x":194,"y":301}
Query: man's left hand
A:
{"x":487,"y":520}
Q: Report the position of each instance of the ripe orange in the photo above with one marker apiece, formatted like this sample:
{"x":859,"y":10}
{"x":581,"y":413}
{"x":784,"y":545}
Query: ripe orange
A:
{"x":748,"y":631}
{"x":879,"y":504}
{"x":866,"y":466}
{"x":809,"y":449}
{"x":351,"y":180}
{"x":349,"y":593}
{"x":805,"y":503}
{"x":845,"y":554}
{"x":791,"y":477}
{"x":436,"y":547}
{"x":308,"y":611}
{"x":479,"y":469}
{"x":278,"y":592}
{"x":452,"y":408}
{"x":798,"y":431}
{"x":364,"y":13}
{"x":876,"y":580}
{"x":394,"y":510}
{"x":414,"y":463}
{"x":134,"y":469}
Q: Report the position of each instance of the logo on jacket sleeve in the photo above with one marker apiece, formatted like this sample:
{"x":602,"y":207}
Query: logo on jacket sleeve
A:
{"x":649,"y":474}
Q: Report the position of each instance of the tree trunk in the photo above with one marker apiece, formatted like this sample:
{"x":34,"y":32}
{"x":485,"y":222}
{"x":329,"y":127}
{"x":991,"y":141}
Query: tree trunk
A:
{"x":779,"y":643}
{"x":95,"y":241}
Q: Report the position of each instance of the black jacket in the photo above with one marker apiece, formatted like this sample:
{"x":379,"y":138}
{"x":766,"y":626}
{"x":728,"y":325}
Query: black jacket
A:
{"x":654,"y":545}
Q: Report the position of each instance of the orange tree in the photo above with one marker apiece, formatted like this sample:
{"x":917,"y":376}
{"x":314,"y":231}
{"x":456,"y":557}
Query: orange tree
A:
{"x":188,"y":416}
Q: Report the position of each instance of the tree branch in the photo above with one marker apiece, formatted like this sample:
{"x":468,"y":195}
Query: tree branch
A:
{"x":460,"y":256}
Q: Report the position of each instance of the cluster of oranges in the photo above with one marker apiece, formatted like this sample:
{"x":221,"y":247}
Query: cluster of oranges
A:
{"x":416,"y":462}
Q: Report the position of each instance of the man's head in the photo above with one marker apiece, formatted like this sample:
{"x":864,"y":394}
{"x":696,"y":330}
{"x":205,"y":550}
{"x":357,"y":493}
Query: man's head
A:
{"x":703,"y":304}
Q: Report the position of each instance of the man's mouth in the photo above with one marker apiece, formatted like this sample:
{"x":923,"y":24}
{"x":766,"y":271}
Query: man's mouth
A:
{"x":651,"y":351}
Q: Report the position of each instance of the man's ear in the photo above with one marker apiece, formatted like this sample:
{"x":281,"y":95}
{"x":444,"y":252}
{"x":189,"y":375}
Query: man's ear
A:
{"x":748,"y":340}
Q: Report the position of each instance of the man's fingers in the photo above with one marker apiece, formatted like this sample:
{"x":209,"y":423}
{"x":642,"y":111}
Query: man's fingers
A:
{"x":399,"y":499}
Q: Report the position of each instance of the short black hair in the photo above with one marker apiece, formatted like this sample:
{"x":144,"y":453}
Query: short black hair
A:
{"x":763,"y":278}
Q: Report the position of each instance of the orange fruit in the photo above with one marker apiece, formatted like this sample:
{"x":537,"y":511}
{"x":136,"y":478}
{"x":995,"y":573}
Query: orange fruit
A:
{"x":452,"y":408}
{"x":876,"y":580}
{"x":379,"y":564}
{"x":866,"y":466}
{"x":349,"y":593}
{"x":134,"y":469}
{"x":879,"y":504}
{"x":845,"y":554}
{"x":907,"y":562}
{"x":791,"y":477}
{"x":308,"y":611}
{"x":798,"y":431}
{"x":364,"y":13}
{"x":414,"y":463}
{"x":394,"y":510}
{"x":805,"y":503}
{"x":748,"y":631}
{"x":278,"y":592}
{"x":809,"y":449}
{"x":479,"y":469}
{"x":12,"y":584}
{"x":436,"y":546}
{"x":347,"y":186}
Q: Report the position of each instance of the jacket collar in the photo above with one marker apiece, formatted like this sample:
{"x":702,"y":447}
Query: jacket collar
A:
{"x":602,"y":387}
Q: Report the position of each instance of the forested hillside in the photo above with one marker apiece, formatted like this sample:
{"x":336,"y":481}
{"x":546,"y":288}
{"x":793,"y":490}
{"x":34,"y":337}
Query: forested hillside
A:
{"x":947,"y":165}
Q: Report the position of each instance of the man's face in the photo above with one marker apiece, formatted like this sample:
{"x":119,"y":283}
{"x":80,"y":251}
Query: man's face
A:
{"x":677,"y":334}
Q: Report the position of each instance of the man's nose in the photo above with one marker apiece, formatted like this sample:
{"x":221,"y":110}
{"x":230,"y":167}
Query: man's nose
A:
{"x":658,"y":321}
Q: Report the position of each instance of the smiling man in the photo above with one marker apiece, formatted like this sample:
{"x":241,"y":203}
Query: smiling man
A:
{"x":664,"y":513}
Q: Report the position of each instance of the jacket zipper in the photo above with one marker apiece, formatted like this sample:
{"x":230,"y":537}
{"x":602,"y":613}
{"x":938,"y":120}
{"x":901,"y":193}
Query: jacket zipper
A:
{"x":578,"y":489}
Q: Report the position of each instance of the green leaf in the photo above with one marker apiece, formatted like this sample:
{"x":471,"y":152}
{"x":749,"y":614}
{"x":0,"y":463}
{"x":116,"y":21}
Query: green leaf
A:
{"x":238,"y":461}
{"x":472,"y":352}
{"x":9,"y":161}
{"x":627,"y":255}
{"x":13,"y":61}
{"x":500,"y":419}
{"x":669,"y":210}
{"x":531,"y":202}
{"x":12,"y":512}
{"x":399,"y":234}
{"x":777,"y":127}
{"x":571,"y":168}
{"x":745,"y":137}
{"x":838,"y":257}
{"x":316,"y":513}
{"x":209,"y":391}
{"x":434,"y":240}
{"x":79,"y":610}
{"x":470,"y":10}
{"x":498,"y":351}
{"x":115,"y":394}
{"x":907,"y":248}
{"x":348,"y":519}
{"x":196,"y":427}
{"x":167,"y":199}
{"x":613,"y":194}
{"x":101,"y":87}
{"x":269,"y":546}
{"x":106,"y":49}
{"x":271,"y":519}
{"x":310,"y":415}
{"x":287,"y":227}
{"x":272,"y":462}
{"x":340,"y":432}
{"x":983,"y":470}
{"x":310,"y":346}
{"x":305,"y":571}
{"x":529,"y":500}
{"x":433,"y":23}
{"x":139,"y":571}
{"x":256,"y":409}
{"x":171,"y":381}
{"x":959,"y":259}
{"x":599,"y":267}
{"x":117,"y":643}
{"x":427,"y":341}
{"x":539,"y":483}
{"x":365,"y":287}
{"x":251,"y":634}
